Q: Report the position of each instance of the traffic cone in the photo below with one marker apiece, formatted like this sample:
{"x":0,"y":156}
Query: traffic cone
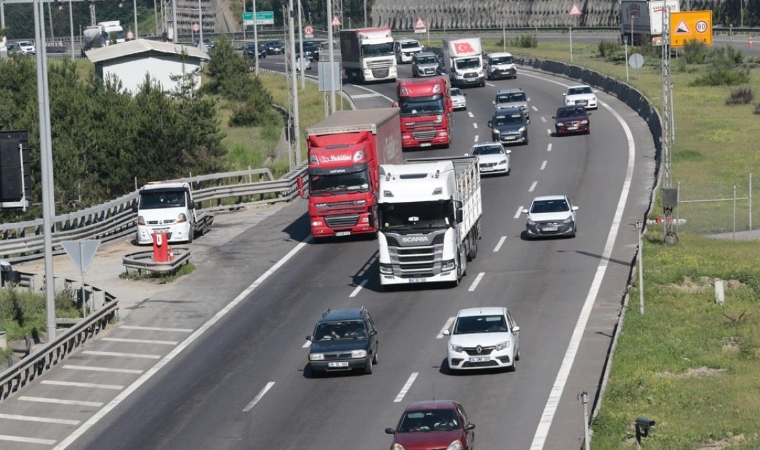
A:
{"x":749,"y":43}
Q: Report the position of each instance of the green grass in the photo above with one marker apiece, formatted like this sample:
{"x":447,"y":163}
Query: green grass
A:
{"x":688,"y":363}
{"x":22,"y":313}
{"x":161,"y":278}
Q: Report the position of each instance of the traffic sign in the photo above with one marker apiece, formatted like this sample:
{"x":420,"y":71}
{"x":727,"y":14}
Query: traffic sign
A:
{"x":636,"y":61}
{"x":690,"y":26}
{"x":262,"y":18}
{"x":420,"y":26}
{"x":308,"y":31}
{"x":575,"y":11}
{"x":197,"y":28}
{"x":336,"y":21}
{"x":81,"y":253}
{"x":130,"y":35}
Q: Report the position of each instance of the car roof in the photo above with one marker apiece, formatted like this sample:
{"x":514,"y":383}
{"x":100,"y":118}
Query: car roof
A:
{"x":417,"y":55}
{"x":342,"y":314}
{"x":499,"y":54}
{"x":578,"y":86}
{"x":509,"y":91}
{"x":483,"y":311}
{"x":507,"y":111}
{"x":485,"y":144}
{"x":408,"y":40}
{"x":550,"y":197}
{"x":431,"y":405}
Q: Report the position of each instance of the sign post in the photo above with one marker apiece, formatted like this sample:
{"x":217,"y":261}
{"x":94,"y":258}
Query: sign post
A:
{"x":575,"y":11}
{"x":308,"y":32}
{"x":81,"y":254}
{"x":261,"y":18}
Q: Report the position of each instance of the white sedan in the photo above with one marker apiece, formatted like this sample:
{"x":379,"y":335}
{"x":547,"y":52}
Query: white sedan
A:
{"x":458,"y":100}
{"x":306,"y":63}
{"x":483,"y":338}
{"x":492,"y":158}
{"x":581,"y":95}
{"x":551,"y":215}
{"x":27,"y":48}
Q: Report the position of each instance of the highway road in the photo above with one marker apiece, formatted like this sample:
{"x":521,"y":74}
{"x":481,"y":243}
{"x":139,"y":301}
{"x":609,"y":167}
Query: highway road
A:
{"x":238,"y":380}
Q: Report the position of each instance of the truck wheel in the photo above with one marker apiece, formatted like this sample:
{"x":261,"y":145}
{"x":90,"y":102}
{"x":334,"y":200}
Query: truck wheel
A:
{"x":192,"y":235}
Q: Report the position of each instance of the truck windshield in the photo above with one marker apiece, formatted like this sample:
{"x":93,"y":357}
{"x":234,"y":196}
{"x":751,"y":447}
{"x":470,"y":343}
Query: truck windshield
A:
{"x":378,"y":49}
{"x":410,"y":44}
{"x":415,"y":216}
{"x":421,"y":106}
{"x":331,"y":184}
{"x":502,"y":60}
{"x":162,"y":199}
{"x":467,"y":63}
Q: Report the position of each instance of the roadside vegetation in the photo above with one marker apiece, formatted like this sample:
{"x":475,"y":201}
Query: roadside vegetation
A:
{"x":160,"y":278}
{"x":22,"y":313}
{"x":688,"y":362}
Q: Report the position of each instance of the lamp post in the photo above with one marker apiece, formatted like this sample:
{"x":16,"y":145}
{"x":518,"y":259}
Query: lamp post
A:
{"x":200,"y":25}
{"x":134,"y":5}
{"x":71,"y":28}
{"x":255,"y":38}
{"x":331,"y":53}
{"x":640,"y":228}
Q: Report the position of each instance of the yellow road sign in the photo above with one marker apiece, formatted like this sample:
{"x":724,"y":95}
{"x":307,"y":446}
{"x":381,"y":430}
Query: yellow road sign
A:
{"x":690,"y":26}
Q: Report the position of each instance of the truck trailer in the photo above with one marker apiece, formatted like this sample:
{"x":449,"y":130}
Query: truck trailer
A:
{"x":425,"y":112}
{"x":367,"y":54}
{"x":464,"y":62}
{"x":345,"y":151}
{"x":429,"y":212}
{"x":641,"y":20}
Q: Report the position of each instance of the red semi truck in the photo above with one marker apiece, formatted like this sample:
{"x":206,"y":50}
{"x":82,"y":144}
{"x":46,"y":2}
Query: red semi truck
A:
{"x":425,"y":105}
{"x":345,"y":151}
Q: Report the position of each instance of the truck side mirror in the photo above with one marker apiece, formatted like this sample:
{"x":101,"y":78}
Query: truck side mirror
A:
{"x":458,"y":216}
{"x":134,"y":206}
{"x":394,"y":105}
{"x":299,"y":183}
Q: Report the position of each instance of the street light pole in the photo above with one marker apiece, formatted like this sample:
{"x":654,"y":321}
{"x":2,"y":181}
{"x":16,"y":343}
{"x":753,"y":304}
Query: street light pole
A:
{"x":134,"y":4}
{"x":200,"y":28}
{"x":332,"y":54}
{"x":255,"y":39}
{"x":174,"y":21}
{"x":301,"y":60}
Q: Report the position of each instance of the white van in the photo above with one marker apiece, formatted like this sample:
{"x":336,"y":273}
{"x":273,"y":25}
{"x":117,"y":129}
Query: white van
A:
{"x":405,"y":48}
{"x":168,"y":207}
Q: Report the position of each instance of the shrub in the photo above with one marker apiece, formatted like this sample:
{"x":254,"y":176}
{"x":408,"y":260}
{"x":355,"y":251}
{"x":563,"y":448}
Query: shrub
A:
{"x":757,"y":109}
{"x":741,"y":96}
{"x":722,"y":76}
{"x":608,"y":50}
{"x":694,"y":52}
{"x":524,"y":41}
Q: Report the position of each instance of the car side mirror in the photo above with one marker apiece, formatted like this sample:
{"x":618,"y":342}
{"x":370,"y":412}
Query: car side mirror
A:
{"x":446,"y":332}
{"x":493,"y":102}
{"x":469,"y":426}
{"x":390,"y":431}
{"x":527,"y":121}
{"x":564,"y":94}
{"x":373,"y":333}
{"x":464,"y":94}
{"x":575,"y":208}
{"x":554,"y":117}
{"x":458,"y":216}
{"x":525,"y":211}
{"x":308,"y":338}
{"x":509,"y":152}
{"x":299,"y":183}
{"x":490,"y":125}
{"x":394,"y":105}
{"x":515,"y":329}
{"x":588,"y":114}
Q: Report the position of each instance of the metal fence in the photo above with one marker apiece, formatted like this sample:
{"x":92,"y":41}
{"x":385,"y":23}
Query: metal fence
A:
{"x":716,"y":208}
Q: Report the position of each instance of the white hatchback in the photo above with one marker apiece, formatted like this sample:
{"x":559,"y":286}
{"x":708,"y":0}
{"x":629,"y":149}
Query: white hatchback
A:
{"x":27,"y":47}
{"x":483,"y":338}
{"x":581,"y":95}
{"x":458,"y":99}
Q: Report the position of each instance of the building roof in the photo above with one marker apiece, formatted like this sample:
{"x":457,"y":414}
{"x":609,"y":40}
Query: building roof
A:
{"x":139,"y":46}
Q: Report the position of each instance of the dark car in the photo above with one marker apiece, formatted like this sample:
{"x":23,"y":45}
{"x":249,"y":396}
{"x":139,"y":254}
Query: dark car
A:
{"x":311,"y":50}
{"x":275,"y":47}
{"x":571,"y":119}
{"x":249,"y":50}
{"x":509,"y":126}
{"x":437,"y":424}
{"x":344,"y":339}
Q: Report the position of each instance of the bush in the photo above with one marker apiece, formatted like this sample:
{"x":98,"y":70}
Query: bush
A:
{"x":722,"y":76}
{"x":694,"y":52}
{"x":741,"y":96}
{"x":524,"y":41}
{"x":757,"y":109}
{"x":608,"y":50}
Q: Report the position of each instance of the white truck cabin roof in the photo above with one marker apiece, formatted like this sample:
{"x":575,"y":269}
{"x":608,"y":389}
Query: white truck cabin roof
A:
{"x":418,"y":182}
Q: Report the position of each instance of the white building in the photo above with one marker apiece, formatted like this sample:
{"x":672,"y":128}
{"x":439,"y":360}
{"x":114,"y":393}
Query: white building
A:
{"x":131,"y":61}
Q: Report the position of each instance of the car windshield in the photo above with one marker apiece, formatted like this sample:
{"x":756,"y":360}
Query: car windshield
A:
{"x":456,"y":92}
{"x":502,"y":60}
{"x":579,"y":90}
{"x":414,"y":216}
{"x":334,"y":331}
{"x":421,"y":106}
{"x":549,"y":206}
{"x":329,"y":184}
{"x":377,"y":49}
{"x":430,"y":59}
{"x":468,"y":63}
{"x":510,"y":119}
{"x":162,"y":199}
{"x":412,"y":44}
{"x":571,"y":112}
{"x":428,"y":420}
{"x":510,"y":98}
{"x":488,"y":150}
{"x":480,"y":324}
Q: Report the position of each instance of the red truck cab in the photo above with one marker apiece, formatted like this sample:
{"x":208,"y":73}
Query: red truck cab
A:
{"x":425,"y":112}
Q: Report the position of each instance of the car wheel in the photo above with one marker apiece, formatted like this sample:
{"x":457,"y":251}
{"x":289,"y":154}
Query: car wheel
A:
{"x":526,"y":141}
{"x":368,"y":368}
{"x":513,"y":368}
{"x":374,"y":358}
{"x":483,"y":83}
{"x":517,"y":356}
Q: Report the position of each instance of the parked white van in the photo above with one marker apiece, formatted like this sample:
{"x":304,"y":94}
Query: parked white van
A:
{"x":168,"y":207}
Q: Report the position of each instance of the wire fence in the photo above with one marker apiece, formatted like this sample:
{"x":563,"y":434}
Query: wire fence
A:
{"x":715,"y":208}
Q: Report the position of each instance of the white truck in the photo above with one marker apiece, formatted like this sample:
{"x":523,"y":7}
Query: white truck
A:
{"x":429,"y":213}
{"x":114,"y":31}
{"x":641,"y":20}
{"x":168,"y":207}
{"x":367,"y":54}
{"x":464,"y":62}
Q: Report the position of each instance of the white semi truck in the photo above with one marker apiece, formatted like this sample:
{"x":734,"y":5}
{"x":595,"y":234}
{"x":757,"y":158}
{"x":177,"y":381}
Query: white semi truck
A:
{"x":367,"y":54}
{"x":464,"y":62}
{"x":168,"y":207}
{"x":429,"y":214}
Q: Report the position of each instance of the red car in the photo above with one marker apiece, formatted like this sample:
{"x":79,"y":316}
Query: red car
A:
{"x":433,"y":425}
{"x":571,"y":119}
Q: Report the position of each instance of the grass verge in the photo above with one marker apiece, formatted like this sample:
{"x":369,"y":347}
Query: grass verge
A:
{"x":161,"y":278}
{"x":22,"y":313}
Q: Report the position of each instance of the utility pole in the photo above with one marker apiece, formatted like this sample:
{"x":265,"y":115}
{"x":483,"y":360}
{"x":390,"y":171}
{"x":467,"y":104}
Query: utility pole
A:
{"x":669,"y":236}
{"x":301,"y":62}
{"x":331,"y":44}
{"x":255,"y":39}
{"x":294,"y":125}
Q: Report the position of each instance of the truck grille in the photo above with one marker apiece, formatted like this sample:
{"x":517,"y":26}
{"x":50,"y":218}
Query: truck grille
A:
{"x":380,"y":73}
{"x":426,"y":123}
{"x":470,"y":75}
{"x":386,"y":63}
{"x":342,"y":221}
{"x":422,"y":135}
{"x":335,"y":205}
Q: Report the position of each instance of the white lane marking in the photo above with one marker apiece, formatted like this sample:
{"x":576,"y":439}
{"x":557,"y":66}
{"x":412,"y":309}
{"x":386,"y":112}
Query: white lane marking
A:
{"x":476,"y":281}
{"x":489,"y":84}
{"x":365,"y":95}
{"x":113,"y":387}
{"x":177,"y":350}
{"x":445,"y":327}
{"x":140,"y":341}
{"x":543,"y":165}
{"x":548,"y":131}
{"x":102,"y":369}
{"x":39,"y":419}
{"x":542,"y":432}
{"x":543,"y":119}
{"x":406,"y":387}
{"x":549,"y":147}
{"x":258,"y":396}
{"x":359,"y":288}
{"x":532,"y":186}
{"x":471,"y":115}
{"x":519,"y":211}
{"x":26,"y":440}
{"x":499,"y":244}
{"x":534,"y":108}
{"x":306,"y":344}
{"x":58,"y":401}
{"x":476,"y":138}
{"x":174,"y":330}
{"x":475,"y":125}
{"x":373,"y":92}
{"x":121,"y":354}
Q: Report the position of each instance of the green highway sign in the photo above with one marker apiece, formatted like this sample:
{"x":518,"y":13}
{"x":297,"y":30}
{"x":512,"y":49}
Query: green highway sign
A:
{"x":262,"y":18}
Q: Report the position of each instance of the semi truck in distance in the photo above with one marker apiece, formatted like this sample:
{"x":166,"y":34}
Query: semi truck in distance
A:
{"x":367,"y":54}
{"x":93,"y":37}
{"x":464,"y":62}
{"x":168,"y":207}
{"x":114,"y":31}
{"x":425,"y":112}
{"x":345,"y":151}
{"x":641,"y":20}
{"x":429,"y":212}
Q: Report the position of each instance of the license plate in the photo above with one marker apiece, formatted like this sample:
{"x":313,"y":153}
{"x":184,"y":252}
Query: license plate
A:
{"x":582,"y":102}
{"x":416,"y":280}
{"x":338,"y":364}
{"x":572,"y":128}
{"x":510,"y":138}
{"x":425,"y":144}
{"x":342,"y":233}
{"x":549,"y":228}
{"x":479,"y":359}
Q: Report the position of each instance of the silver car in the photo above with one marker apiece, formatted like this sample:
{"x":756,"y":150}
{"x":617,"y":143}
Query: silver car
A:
{"x":458,"y":100}
{"x":551,"y":215}
{"x":512,"y":98}
{"x":424,"y":64}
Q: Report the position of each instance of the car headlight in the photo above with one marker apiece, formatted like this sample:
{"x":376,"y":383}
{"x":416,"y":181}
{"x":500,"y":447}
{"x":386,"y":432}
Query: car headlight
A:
{"x":140,"y":220}
{"x":386,"y":268}
{"x":317,"y":223}
{"x":584,"y":122}
{"x":397,"y":447}
{"x":502,"y":345}
{"x":316,"y":356}
{"x":358,"y":353}
{"x":182,"y":218}
{"x":502,"y":162}
{"x":447,"y":265}
{"x":455,"y":348}
{"x":568,"y":220}
{"x":496,"y":131}
{"x":456,"y":445}
{"x":530,"y":222}
{"x":560,"y":124}
{"x":521,"y":130}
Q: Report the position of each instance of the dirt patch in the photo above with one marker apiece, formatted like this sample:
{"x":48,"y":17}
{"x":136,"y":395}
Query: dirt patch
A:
{"x":723,"y":443}
{"x":732,"y":346}
{"x":704,"y":284}
{"x":696,"y":373}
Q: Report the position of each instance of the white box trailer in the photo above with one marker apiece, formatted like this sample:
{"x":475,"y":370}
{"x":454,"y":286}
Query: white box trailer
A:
{"x":429,"y":211}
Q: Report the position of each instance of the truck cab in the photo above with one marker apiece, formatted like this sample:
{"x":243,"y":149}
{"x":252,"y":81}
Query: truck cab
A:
{"x":168,"y":207}
{"x":367,"y":54}
{"x":464,"y":62}
{"x":405,"y":49}
{"x":425,"y":112}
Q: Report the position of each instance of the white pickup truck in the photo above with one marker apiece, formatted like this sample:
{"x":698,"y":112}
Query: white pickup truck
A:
{"x":168,"y":207}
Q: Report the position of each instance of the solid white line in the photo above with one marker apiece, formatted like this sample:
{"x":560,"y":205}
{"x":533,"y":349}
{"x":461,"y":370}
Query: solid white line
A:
{"x":499,"y":244}
{"x":445,"y":327}
{"x":374,"y":92}
{"x":306,"y":344}
{"x":175,"y":330}
{"x":476,"y":282}
{"x":365,"y":95}
{"x":543,"y":119}
{"x":102,"y":369}
{"x":475,"y":125}
{"x":532,"y":186}
{"x":406,"y":387}
{"x":26,"y":440}
{"x":359,"y":288}
{"x":177,"y":350}
{"x":58,"y":401}
{"x":542,"y":432}
{"x":519,"y":211}
{"x":140,"y":341}
{"x":543,"y":165}
{"x":471,"y":115}
{"x":113,"y":387}
{"x":549,"y":147}
{"x":258,"y":396}
{"x":39,"y":419}
{"x":476,"y":138}
{"x":125,"y":355}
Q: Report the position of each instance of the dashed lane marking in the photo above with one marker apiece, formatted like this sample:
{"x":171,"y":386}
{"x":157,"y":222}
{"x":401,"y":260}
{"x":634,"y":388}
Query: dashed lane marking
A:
{"x":122,"y":354}
{"x":543,"y":119}
{"x":258,"y":396}
{"x":359,"y":288}
{"x":475,"y":125}
{"x":39,"y":419}
{"x":445,"y":327}
{"x":549,"y":147}
{"x":519,"y":211}
{"x":476,"y":138}
{"x":543,"y":165}
{"x":59,"y":401}
{"x":172,"y":330}
{"x":471,"y":115}
{"x":533,"y":186}
{"x":139,"y":341}
{"x":476,"y":282}
{"x":406,"y":387}
{"x":113,"y":387}
{"x":499,"y":244}
{"x":306,"y":344}
{"x":534,"y":108}
{"x":26,"y":440}
{"x":102,"y":369}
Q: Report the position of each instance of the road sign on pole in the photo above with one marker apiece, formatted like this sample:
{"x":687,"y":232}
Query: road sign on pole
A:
{"x":308,"y":31}
{"x":336,"y":21}
{"x":575,"y":10}
{"x":81,"y":254}
{"x":687,"y":26}
{"x":262,"y":18}
{"x":420,"y":26}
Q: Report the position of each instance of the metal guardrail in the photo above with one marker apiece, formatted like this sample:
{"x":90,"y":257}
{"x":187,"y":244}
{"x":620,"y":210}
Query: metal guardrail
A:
{"x":23,"y":241}
{"x":144,"y":261}
{"x":25,"y":371}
